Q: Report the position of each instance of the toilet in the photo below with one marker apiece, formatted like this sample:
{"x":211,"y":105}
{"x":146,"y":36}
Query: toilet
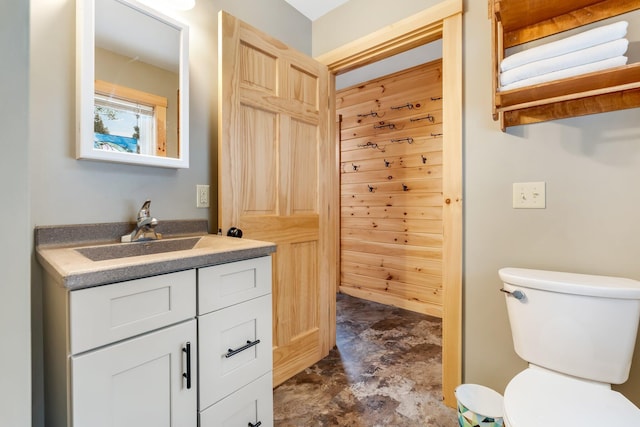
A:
{"x":578,"y":333}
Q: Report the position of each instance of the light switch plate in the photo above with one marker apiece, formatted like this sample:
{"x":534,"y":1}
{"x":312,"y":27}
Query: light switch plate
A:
{"x":529,"y":195}
{"x":202,"y":196}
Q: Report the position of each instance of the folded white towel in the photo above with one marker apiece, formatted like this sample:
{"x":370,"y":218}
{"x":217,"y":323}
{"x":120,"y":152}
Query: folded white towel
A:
{"x":572,"y":59}
{"x":583,"y":40}
{"x":568,"y":72}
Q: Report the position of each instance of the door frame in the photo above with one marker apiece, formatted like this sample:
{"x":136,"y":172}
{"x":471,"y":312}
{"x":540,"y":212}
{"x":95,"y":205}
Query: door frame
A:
{"x":442,"y":21}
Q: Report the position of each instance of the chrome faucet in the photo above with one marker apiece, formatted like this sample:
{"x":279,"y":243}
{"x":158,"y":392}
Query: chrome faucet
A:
{"x":145,"y":226}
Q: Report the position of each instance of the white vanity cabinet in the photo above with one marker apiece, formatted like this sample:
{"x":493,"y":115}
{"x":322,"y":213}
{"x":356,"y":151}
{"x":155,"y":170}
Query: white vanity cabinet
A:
{"x":235,"y":344}
{"x":163,"y":339}
{"x":122,"y":354}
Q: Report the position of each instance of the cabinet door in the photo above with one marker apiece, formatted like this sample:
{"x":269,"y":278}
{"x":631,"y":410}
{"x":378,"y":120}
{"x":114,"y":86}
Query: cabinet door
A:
{"x":138,"y":382}
{"x":248,"y":406}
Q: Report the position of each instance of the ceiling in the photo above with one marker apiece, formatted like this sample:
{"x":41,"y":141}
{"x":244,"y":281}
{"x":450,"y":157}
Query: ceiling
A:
{"x":314,"y":9}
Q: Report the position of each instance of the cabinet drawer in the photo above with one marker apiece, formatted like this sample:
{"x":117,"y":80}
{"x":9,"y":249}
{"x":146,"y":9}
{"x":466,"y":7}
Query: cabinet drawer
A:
{"x":251,"y":404}
{"x":223,"y":285}
{"x":110,"y":313}
{"x":234,"y":328}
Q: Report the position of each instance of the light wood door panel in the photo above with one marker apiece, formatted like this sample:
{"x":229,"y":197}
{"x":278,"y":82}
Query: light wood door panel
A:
{"x":276,"y":168}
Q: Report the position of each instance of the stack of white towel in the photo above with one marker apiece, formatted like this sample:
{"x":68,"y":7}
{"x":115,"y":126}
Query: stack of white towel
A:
{"x":593,"y":50}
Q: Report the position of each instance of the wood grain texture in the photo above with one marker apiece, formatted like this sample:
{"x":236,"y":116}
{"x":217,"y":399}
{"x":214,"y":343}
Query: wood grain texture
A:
{"x":384,"y":298}
{"x":603,"y":103}
{"x":605,"y":81}
{"x":423,"y":28}
{"x":453,"y":207}
{"x":416,"y":261}
{"x":274,"y":154}
{"x":529,"y":20}
{"x":403,"y":173}
{"x":515,"y":22}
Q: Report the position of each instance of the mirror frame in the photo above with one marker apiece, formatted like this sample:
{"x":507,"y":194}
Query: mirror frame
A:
{"x":85,"y":89}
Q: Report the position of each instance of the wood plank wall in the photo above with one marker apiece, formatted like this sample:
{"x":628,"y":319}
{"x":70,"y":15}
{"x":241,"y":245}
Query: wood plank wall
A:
{"x":391,"y":189}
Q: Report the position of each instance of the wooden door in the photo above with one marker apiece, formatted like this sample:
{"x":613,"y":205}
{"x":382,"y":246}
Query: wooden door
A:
{"x":276,"y":169}
{"x":391,"y":189}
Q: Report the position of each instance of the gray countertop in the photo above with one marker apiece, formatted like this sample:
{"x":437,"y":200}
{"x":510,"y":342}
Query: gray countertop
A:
{"x":56,"y":250}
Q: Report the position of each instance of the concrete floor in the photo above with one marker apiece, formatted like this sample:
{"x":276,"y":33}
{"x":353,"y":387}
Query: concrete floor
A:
{"x":385,"y":371}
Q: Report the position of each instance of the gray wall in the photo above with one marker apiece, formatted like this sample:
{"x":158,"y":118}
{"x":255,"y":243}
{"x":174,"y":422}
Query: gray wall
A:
{"x":591,"y":166}
{"x":15,"y":227}
{"x":69,"y":191}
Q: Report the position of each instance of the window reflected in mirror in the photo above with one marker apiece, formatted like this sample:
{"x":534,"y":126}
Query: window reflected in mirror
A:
{"x":128,"y":120}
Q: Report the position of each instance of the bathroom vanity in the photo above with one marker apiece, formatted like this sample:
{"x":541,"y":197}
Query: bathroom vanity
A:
{"x":181,"y":337}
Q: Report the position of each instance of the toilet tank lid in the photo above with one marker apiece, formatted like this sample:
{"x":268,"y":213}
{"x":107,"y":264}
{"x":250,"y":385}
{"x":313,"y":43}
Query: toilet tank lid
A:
{"x":572,"y":283}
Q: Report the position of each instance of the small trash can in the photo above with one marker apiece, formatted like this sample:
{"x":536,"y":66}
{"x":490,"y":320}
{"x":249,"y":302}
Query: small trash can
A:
{"x":479,"y":406}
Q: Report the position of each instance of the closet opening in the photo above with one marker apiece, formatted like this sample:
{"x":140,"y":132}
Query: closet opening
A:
{"x":441,"y":22}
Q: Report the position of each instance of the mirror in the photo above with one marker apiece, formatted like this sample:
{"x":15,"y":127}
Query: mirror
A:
{"x":132,"y":83}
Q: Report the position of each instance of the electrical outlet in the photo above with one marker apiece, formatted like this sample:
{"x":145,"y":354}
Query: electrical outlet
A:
{"x":202,"y":196}
{"x":529,"y":195}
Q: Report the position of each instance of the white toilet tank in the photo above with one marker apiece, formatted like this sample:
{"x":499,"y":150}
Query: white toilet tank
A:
{"x":576,"y":324}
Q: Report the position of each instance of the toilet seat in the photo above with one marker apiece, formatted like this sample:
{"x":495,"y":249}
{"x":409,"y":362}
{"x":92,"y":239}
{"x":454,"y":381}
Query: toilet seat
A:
{"x":538,"y":397}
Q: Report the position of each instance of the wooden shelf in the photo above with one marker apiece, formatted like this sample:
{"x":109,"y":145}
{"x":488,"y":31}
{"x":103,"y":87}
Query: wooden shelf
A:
{"x":611,"y":80}
{"x":516,"y":22}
